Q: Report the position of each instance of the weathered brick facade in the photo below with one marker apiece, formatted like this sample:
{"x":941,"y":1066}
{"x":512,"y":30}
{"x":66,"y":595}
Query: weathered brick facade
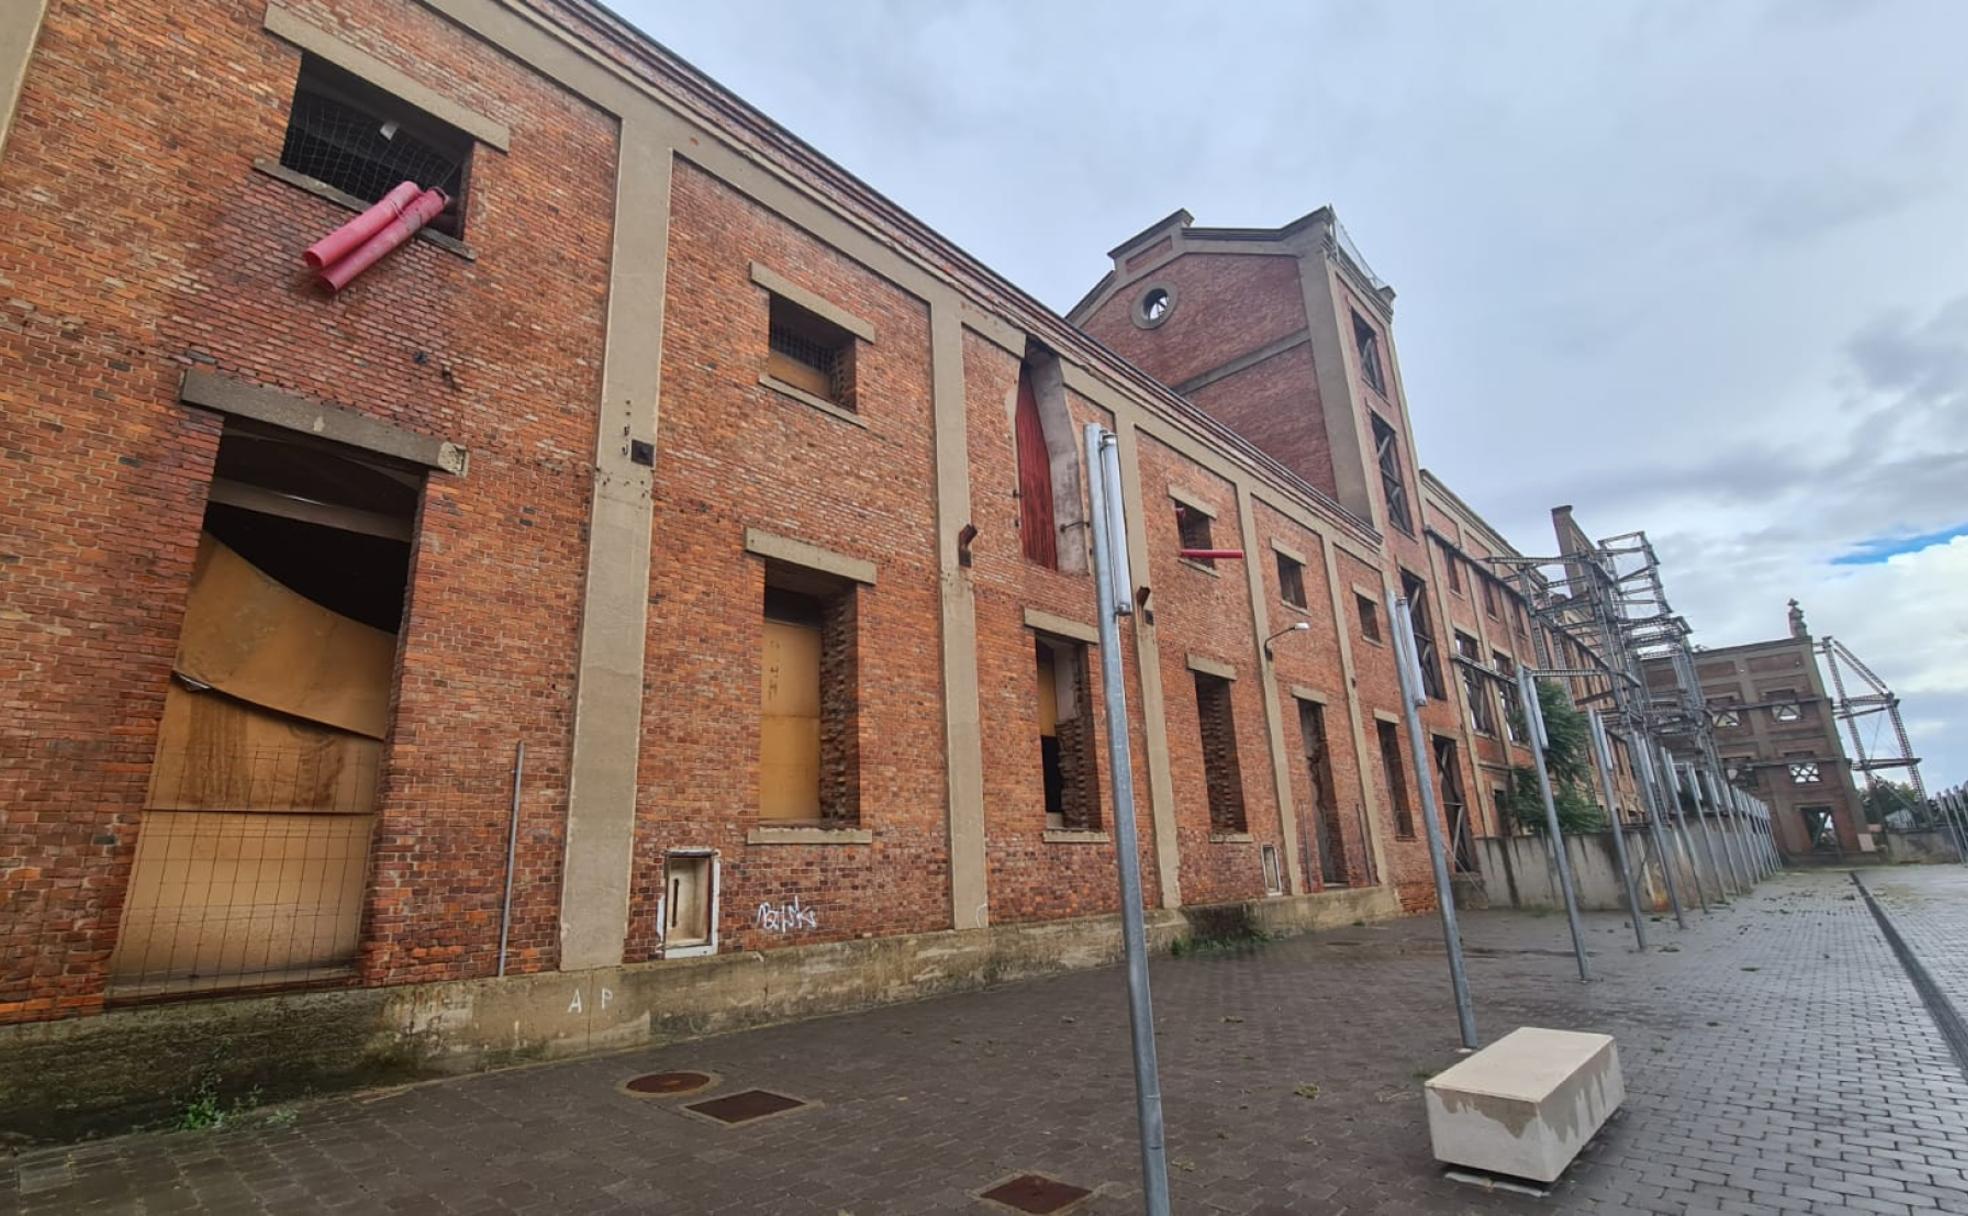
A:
{"x":152,"y":232}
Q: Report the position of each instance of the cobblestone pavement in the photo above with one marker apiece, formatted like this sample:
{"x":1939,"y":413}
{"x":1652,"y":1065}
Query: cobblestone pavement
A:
{"x":1777,"y":1059}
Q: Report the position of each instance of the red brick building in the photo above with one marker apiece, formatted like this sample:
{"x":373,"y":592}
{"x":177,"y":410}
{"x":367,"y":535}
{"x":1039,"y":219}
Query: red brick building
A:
{"x":747,"y":505}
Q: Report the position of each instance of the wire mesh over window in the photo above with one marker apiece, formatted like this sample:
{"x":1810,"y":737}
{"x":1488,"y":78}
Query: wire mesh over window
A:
{"x":362,"y":141}
{"x":811,"y":353}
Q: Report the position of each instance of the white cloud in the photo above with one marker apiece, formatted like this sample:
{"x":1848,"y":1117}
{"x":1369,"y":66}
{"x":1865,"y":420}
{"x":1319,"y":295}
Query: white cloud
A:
{"x":1694,"y":268}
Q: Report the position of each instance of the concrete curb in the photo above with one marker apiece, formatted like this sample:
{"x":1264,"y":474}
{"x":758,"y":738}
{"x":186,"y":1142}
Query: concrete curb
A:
{"x":1946,"y":1017}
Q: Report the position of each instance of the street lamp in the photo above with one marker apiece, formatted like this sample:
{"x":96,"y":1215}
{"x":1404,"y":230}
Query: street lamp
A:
{"x":1299,"y":627}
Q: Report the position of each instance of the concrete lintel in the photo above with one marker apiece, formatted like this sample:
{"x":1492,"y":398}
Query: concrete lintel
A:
{"x":291,"y":27}
{"x":809,"y":557}
{"x":1063,"y":836}
{"x":1388,"y":716}
{"x":1209,"y":666}
{"x":1281,"y":547}
{"x":20,"y":25}
{"x":1059,"y":626}
{"x":818,"y":305}
{"x":819,"y":403}
{"x":1310,"y":694}
{"x":1195,"y":502}
{"x":777,"y":834}
{"x":337,"y":423}
{"x":1232,"y":838}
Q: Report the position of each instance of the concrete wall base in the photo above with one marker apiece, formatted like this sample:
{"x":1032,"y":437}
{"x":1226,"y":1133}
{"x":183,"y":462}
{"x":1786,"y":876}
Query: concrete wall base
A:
{"x":138,"y":1066}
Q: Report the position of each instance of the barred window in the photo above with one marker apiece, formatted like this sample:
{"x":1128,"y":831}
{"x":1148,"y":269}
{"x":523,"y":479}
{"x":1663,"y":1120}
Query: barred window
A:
{"x":811,"y":354}
{"x":349,"y":134}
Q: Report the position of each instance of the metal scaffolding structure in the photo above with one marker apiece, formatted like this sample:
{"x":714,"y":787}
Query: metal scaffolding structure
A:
{"x":1853,"y":710}
{"x":1604,"y":604}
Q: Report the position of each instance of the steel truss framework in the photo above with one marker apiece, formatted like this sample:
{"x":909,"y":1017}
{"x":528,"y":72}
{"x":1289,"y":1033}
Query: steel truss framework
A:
{"x":1853,"y":709}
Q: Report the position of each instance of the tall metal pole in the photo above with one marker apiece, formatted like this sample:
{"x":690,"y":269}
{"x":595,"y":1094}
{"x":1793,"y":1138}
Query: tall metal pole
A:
{"x":1555,"y":836}
{"x":1707,"y":839}
{"x":1602,"y":755}
{"x":1711,"y":788}
{"x":1114,"y":594}
{"x":1643,"y":772}
{"x":1413,"y":697}
{"x":1958,"y":820}
{"x":1680,"y":823}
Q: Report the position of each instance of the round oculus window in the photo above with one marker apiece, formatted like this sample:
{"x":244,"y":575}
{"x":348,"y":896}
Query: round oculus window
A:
{"x":1154,"y":306}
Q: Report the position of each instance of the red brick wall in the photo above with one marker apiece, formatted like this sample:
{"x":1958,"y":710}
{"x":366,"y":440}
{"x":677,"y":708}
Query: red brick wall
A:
{"x":140,"y":242}
{"x":1209,"y":615}
{"x":1226,"y":305}
{"x":1275,"y":404}
{"x":1311,"y":660}
{"x":1030,"y":878}
{"x":734,"y":454}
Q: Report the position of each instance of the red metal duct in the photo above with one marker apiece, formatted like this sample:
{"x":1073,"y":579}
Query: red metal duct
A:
{"x":1211,"y":555}
{"x":335,"y":245}
{"x":395,"y":233}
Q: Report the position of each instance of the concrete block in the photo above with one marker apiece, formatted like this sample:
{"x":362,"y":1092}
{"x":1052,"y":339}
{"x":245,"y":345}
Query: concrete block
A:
{"x":1526,"y":1104}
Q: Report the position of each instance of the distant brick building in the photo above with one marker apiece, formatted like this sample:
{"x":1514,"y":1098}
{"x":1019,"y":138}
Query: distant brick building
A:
{"x":749,"y":506}
{"x":1777,"y":736}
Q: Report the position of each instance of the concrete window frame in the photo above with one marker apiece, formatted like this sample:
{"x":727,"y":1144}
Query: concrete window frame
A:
{"x":1153,"y":305}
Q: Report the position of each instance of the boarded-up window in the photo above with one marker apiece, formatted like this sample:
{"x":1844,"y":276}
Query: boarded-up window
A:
{"x":810,"y":353}
{"x":1397,"y":782}
{"x":809,"y":753}
{"x":1221,"y":777}
{"x":1038,"y":529}
{"x":1324,"y":827}
{"x":1066,"y":745}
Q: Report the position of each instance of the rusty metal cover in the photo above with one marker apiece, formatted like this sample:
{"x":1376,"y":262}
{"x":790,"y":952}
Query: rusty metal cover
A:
{"x":1036,"y":1193}
{"x":665,"y":1084}
{"x":745,"y":1106}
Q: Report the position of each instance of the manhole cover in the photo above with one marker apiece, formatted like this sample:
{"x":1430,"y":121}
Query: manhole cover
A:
{"x":666,"y":1084}
{"x":1036,"y":1193}
{"x":745,"y":1106}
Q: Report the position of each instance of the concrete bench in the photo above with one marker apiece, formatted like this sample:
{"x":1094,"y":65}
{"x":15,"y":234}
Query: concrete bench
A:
{"x":1526,"y":1104}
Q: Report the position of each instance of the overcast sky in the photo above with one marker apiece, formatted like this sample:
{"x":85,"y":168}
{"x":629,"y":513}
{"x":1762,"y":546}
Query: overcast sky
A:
{"x":1703,"y":264}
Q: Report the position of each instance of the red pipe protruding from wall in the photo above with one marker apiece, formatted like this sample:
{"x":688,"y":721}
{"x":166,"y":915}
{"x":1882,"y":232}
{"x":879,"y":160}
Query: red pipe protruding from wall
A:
{"x":1213,"y":555}
{"x":333,"y":247}
{"x":398,"y":231}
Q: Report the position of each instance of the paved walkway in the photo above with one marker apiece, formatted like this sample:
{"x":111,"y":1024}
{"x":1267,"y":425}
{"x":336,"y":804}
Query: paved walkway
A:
{"x":1777,"y":1060}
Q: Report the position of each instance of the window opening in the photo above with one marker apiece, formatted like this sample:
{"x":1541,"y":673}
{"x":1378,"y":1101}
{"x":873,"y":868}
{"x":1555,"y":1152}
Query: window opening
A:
{"x":1273,"y":882}
{"x":1416,"y":593}
{"x":1397,"y":782}
{"x":1367,"y":342}
{"x":1369,"y":617}
{"x":810,"y":353}
{"x":1324,"y":828}
{"x":1785,"y":710}
{"x":1803,"y":772}
{"x":1451,"y":566}
{"x":1475,"y":684}
{"x":1489,"y":596}
{"x":1038,"y":532}
{"x":1067,"y":765}
{"x":1506,"y":668}
{"x":251,"y":862}
{"x":809,"y":712}
{"x":351,"y":135}
{"x":1193,"y":528}
{"x":1821,"y":827}
{"x":690,"y":899}
{"x":1291,"y":581}
{"x":1221,"y":777}
{"x":1393,"y":482}
{"x":1455,"y":807}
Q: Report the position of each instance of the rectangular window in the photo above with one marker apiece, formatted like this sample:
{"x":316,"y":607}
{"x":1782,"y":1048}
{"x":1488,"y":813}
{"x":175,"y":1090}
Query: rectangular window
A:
{"x":1397,"y":782}
{"x":1192,"y":527}
{"x":1426,"y":657}
{"x":1452,"y":569}
{"x":1369,"y":617}
{"x":1455,"y":807}
{"x":1727,"y":716}
{"x":1513,"y":724}
{"x":1291,"y":581}
{"x":1803,"y":771}
{"x":1523,"y":631}
{"x":1324,"y":828}
{"x":1066,"y":750}
{"x":809,"y":740}
{"x":1785,"y":708}
{"x":1489,"y":597}
{"x":1220,"y":770}
{"x":810,"y":353}
{"x":1475,"y":685}
{"x":1393,"y":482}
{"x":349,"y":134}
{"x":1367,"y":342}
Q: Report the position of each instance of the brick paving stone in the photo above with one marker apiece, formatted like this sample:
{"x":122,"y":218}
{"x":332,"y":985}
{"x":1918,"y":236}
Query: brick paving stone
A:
{"x":1777,"y":1061}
